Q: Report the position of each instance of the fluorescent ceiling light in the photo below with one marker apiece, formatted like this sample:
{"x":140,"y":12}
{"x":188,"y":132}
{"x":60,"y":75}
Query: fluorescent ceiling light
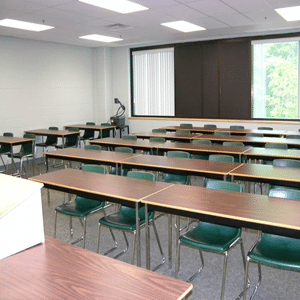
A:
{"x":24,"y":25}
{"x":100,"y":38}
{"x":120,"y":6}
{"x":290,"y":13}
{"x":183,"y":26}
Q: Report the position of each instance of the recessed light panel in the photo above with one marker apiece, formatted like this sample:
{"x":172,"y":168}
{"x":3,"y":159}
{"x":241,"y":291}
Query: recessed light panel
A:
{"x":120,"y":6}
{"x":290,"y":13}
{"x":100,"y":38}
{"x":183,"y":26}
{"x":24,"y":25}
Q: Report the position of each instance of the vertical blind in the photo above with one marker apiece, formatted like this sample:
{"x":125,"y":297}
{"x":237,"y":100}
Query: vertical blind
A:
{"x":153,"y":82}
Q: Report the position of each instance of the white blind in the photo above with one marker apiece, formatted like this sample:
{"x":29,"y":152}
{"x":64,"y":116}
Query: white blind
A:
{"x":153,"y":82}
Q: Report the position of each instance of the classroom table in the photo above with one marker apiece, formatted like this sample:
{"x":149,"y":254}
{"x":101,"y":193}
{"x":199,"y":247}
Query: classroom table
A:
{"x":192,"y":129}
{"x":57,"y":270}
{"x":93,"y":127}
{"x":260,"y":212}
{"x":103,"y":187}
{"x":58,"y":133}
{"x":16,"y":141}
{"x":179,"y":165}
{"x":250,"y":140}
{"x":88,"y":156}
{"x":168,"y":135}
{"x":263,"y":153}
{"x":284,"y":176}
{"x":139,"y":144}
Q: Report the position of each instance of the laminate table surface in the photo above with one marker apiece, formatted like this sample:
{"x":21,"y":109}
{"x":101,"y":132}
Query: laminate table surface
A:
{"x":120,"y":142}
{"x":46,"y":132}
{"x":14,"y":141}
{"x":258,"y":152}
{"x":192,"y":129}
{"x":186,"y":166}
{"x":94,"y":127}
{"x":57,"y":270}
{"x":250,"y":139}
{"x":268,"y":173}
{"x":167,"y":135}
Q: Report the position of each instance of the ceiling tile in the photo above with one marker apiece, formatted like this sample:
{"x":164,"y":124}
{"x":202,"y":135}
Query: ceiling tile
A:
{"x":235,"y":20}
{"x":247,"y":6}
{"x":180,"y":11}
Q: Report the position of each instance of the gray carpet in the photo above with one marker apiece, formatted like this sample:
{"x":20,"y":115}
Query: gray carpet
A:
{"x":276,"y":284}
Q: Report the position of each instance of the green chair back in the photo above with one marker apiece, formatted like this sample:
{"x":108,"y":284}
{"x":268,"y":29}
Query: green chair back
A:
{"x":223,"y":185}
{"x":105,"y":132}
{"x":26,"y":148}
{"x":255,"y":134}
{"x":72,"y":140}
{"x":157,"y":139}
{"x":222,"y":133}
{"x":293,"y":136}
{"x":276,"y":146}
{"x":264,"y":128}
{"x":90,"y":123}
{"x":141,"y":175}
{"x":292,"y":163}
{"x":285,"y":193}
{"x":186,"y":125}
{"x":124,"y":149}
{"x":201,"y":142}
{"x":51,"y":140}
{"x":8,"y":134}
{"x":88,"y":133}
{"x":212,"y":126}
{"x":93,"y":147}
{"x":159,"y":130}
{"x":221,"y":157}
{"x":236,"y":127}
{"x":129,"y":137}
{"x":236,"y":144}
{"x":94,"y":168}
{"x":182,"y":154}
{"x":183,"y":131}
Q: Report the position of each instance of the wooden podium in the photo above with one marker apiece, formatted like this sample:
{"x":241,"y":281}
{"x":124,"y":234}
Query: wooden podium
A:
{"x":21,"y":217}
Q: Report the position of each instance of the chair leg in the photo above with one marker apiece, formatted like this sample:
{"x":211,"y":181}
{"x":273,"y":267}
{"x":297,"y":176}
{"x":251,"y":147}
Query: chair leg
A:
{"x":199,"y":271}
{"x":224,"y":275}
{"x":127,"y":246}
{"x":246,"y":280}
{"x":133,"y":248}
{"x":54,"y":235}
{"x":84,"y":230}
{"x":113,"y":237}
{"x":4,"y":164}
{"x":177,"y":264}
{"x":160,"y":248}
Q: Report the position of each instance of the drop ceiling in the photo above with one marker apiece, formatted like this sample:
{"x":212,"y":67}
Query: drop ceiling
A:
{"x":72,"y":19}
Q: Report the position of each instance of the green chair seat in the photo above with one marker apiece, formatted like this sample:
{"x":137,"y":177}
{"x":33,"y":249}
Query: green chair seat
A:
{"x":159,"y":130}
{"x":211,"y":237}
{"x":80,"y":207}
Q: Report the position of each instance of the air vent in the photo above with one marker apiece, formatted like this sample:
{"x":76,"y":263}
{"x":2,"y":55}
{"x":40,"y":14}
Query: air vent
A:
{"x":117,"y":27}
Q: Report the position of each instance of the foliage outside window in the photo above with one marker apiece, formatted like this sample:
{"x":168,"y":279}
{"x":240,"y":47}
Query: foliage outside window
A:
{"x":275,"y":78}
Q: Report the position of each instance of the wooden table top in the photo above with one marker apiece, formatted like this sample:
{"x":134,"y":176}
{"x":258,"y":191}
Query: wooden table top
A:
{"x":267,"y":172}
{"x":142,"y":144}
{"x":249,"y":139}
{"x":192,"y":129}
{"x":274,"y":153}
{"x":95,"y":185}
{"x":51,"y":132}
{"x":82,"y":155}
{"x":190,"y":147}
{"x":197,"y":166}
{"x":57,"y":270}
{"x":14,"y":140}
{"x":239,"y":207}
{"x":168,"y":135}
{"x":95,"y":127}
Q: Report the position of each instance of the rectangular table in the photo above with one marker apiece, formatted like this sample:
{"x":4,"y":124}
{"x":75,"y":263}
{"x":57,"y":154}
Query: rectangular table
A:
{"x":93,"y":127}
{"x":16,"y":141}
{"x":103,"y":187}
{"x":168,"y":135}
{"x":260,"y":212}
{"x":48,"y":132}
{"x":250,"y":140}
{"x":88,"y":156}
{"x":268,"y":174}
{"x":57,"y":270}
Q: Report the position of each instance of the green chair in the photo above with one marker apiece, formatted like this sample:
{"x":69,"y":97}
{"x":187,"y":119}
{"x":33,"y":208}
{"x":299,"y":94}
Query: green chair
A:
{"x":174,"y":178}
{"x":221,"y":157}
{"x":105,"y":132}
{"x":274,"y":146}
{"x":125,"y":171}
{"x":293,"y":136}
{"x":82,"y":207}
{"x":26,"y":151}
{"x":5,"y":150}
{"x":212,"y":126}
{"x":71,"y":140}
{"x":234,"y":144}
{"x":88,"y":133}
{"x":264,"y":128}
{"x":51,"y":140}
{"x":183,"y":131}
{"x":129,"y":137}
{"x":274,"y":250}
{"x":212,"y":237}
{"x":93,"y":147}
{"x":236,"y":127}
{"x":159,"y":130}
{"x":125,"y":220}
{"x":158,"y":139}
{"x":200,"y":142}
{"x":186,"y":125}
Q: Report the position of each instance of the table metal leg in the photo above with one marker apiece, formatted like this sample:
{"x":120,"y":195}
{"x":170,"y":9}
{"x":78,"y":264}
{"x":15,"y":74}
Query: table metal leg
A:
{"x":138,"y":240}
{"x":147,"y":235}
{"x":170,"y":239}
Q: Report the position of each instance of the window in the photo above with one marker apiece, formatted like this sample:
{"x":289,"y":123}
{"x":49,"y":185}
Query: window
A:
{"x":275,"y":79}
{"x":153,"y":82}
